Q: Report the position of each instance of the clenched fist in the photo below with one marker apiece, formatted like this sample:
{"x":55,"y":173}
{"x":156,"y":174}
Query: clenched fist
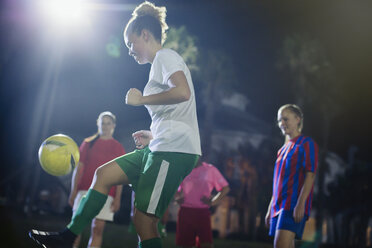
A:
{"x":134,"y":97}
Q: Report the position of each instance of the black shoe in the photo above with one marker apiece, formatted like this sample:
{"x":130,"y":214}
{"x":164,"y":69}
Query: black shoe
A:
{"x":51,"y":239}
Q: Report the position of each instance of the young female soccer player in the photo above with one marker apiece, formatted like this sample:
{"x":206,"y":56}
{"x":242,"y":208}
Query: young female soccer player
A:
{"x":168,"y":152}
{"x":95,"y":151}
{"x":194,"y":195}
{"x":293,"y":183}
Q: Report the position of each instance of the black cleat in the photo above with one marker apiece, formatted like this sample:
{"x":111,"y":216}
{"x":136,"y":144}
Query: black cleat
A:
{"x":50,"y":239}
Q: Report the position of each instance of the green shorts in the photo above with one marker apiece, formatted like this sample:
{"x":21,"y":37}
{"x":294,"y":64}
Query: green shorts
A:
{"x":155,"y":176}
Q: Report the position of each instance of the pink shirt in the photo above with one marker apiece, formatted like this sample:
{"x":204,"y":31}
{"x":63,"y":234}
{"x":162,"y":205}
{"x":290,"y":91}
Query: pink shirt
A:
{"x":200,"y":182}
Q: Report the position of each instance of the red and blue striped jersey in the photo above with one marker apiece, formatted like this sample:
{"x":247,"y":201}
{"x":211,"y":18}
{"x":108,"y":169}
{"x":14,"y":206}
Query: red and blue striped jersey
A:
{"x":295,"y":158}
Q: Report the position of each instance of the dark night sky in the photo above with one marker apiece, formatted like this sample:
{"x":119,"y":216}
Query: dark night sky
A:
{"x":89,"y":81}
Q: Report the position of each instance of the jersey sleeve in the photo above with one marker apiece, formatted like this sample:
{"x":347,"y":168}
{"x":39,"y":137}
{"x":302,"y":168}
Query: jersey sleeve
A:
{"x":218,"y":180}
{"x":310,"y":162}
{"x":171,"y":62}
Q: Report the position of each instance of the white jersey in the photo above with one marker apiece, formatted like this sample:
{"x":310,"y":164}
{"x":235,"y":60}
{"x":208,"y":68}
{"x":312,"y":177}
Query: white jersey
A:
{"x":174,"y":127}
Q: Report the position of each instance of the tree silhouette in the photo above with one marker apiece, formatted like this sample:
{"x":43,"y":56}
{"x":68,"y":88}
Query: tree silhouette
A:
{"x":180,"y":40}
{"x":213,"y":69}
{"x":218,"y":77}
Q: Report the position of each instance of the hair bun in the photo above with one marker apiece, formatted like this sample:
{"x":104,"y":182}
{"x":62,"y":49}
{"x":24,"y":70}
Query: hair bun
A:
{"x":147,"y":8}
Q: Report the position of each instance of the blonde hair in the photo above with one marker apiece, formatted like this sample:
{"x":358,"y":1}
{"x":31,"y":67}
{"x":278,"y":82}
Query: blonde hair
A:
{"x":150,"y":17}
{"x":295,"y":110}
{"x":92,"y":139}
{"x":106,"y":113}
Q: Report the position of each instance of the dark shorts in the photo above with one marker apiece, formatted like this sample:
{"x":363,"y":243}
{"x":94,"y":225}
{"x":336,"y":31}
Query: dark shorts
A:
{"x":193,"y":223}
{"x":285,"y":221}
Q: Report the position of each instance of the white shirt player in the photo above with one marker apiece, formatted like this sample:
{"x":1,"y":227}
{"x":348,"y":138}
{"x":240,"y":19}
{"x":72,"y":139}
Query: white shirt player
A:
{"x":175,"y":126}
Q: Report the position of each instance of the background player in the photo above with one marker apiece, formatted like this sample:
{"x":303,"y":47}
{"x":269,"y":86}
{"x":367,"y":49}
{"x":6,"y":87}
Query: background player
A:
{"x":294,"y":176}
{"x":194,"y":196}
{"x":95,"y":151}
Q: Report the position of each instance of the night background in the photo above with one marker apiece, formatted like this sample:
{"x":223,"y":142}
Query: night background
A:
{"x":254,"y":55}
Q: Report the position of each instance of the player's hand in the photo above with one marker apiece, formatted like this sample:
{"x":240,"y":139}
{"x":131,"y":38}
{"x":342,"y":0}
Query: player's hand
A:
{"x":267,"y":219}
{"x":180,"y":200}
{"x":142,"y":138}
{"x":134,"y":97}
{"x":206,"y":200}
{"x":299,"y":212}
{"x":179,"y":197}
{"x":115,"y":205}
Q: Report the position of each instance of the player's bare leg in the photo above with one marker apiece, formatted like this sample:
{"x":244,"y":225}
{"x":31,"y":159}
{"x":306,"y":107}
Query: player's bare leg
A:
{"x":96,"y":233}
{"x":146,"y":225}
{"x":284,"y":239}
{"x":77,"y":242}
{"x":105,"y":177}
{"x":108,"y":175}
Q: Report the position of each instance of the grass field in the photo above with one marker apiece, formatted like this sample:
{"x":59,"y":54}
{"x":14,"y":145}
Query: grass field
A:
{"x":15,"y":226}
{"x":117,"y":236}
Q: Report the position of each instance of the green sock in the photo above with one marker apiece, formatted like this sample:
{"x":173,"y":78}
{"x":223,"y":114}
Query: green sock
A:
{"x":151,"y":243}
{"x":90,"y":205}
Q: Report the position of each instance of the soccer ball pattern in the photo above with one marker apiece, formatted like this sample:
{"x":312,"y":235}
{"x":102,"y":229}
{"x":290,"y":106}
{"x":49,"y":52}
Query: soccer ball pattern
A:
{"x":58,"y":155}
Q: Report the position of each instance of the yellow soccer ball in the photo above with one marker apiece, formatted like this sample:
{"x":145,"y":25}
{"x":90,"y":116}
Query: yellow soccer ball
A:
{"x":58,"y":155}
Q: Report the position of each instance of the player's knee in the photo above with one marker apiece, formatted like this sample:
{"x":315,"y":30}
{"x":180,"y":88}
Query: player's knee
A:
{"x":141,"y":219}
{"x":100,"y":176}
{"x":100,"y":172}
{"x":279,"y":244}
{"x":282,"y":243}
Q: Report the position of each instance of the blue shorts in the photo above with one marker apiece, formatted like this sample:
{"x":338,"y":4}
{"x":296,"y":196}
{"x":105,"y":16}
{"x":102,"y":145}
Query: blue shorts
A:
{"x":284,"y":220}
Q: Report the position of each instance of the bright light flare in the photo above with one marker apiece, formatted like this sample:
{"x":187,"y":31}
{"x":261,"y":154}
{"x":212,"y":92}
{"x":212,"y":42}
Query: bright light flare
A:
{"x":63,"y":12}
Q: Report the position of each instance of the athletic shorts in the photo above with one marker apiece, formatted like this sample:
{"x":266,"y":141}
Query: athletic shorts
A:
{"x":284,"y":220}
{"x":155,"y":177}
{"x":104,"y":214}
{"x":161,"y":229}
{"x":193,"y":223}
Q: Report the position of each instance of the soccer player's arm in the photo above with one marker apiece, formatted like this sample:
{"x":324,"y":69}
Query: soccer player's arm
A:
{"x":221,"y":185}
{"x":142,"y":138}
{"x":76,"y":176}
{"x":77,"y":173}
{"x":299,"y":210}
{"x":218,"y":197}
{"x":179,"y":196}
{"x":310,"y":164}
{"x":268,"y":213}
{"x":179,"y":92}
